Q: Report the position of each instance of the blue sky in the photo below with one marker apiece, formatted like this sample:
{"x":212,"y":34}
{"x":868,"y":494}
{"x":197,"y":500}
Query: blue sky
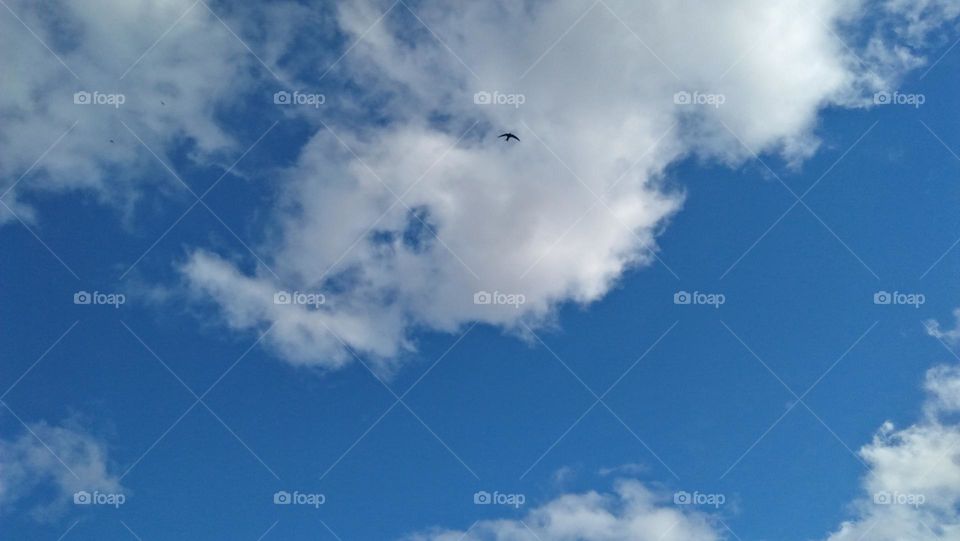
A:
{"x":602,"y":401}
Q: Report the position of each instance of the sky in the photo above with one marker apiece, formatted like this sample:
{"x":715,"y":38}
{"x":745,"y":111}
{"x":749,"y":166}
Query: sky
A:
{"x":270,"y":273}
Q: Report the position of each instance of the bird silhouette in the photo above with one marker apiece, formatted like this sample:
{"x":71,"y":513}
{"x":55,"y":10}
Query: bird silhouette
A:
{"x":507,"y":136}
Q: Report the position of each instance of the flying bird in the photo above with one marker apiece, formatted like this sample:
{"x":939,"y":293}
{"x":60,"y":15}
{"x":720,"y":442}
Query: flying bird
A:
{"x":509,"y":135}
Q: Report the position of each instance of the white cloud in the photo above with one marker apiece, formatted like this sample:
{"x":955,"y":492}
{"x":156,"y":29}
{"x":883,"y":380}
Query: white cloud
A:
{"x":65,"y":458}
{"x":921,"y":18}
{"x":912,"y":490}
{"x":195,"y":70}
{"x":631,"y":512}
{"x":948,"y":336}
{"x":598,"y":118}
{"x":943,"y":386}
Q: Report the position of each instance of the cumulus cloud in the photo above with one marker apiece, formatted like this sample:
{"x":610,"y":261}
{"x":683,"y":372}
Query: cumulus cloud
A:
{"x":64,"y":458}
{"x":912,"y":490}
{"x":110,"y":47}
{"x":403,"y":205}
{"x":631,"y":512}
{"x":399,"y":222}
